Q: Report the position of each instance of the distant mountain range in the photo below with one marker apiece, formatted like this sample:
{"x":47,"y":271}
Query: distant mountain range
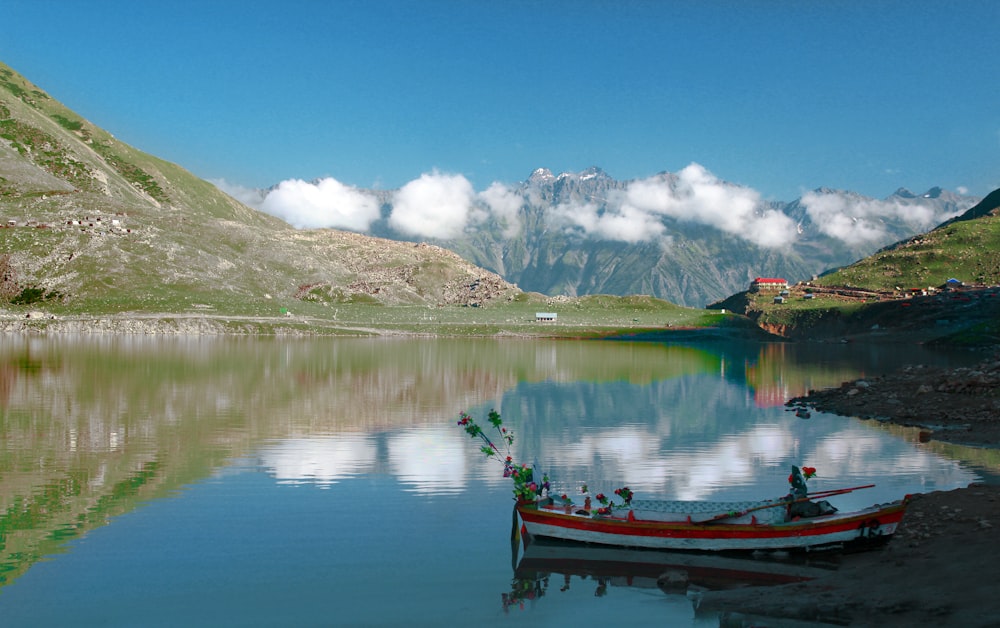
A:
{"x":686,"y":237}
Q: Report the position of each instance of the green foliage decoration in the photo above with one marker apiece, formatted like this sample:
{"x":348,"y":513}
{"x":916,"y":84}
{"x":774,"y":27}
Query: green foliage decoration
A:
{"x":526,"y":487}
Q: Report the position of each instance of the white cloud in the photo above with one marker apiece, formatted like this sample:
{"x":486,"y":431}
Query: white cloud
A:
{"x":623,"y":223}
{"x":770,"y":229}
{"x":328,"y":203}
{"x":636,"y":214}
{"x":504,"y":204}
{"x":435,"y":206}
{"x":703,"y":198}
{"x":860,"y":220}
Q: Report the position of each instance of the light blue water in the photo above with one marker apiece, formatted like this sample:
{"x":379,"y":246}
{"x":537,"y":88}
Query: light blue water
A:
{"x":325,"y":483}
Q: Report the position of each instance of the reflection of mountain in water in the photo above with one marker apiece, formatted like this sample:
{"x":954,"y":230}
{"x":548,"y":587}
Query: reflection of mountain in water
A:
{"x":776,"y":372}
{"x":91,"y":427}
{"x":697,"y":436}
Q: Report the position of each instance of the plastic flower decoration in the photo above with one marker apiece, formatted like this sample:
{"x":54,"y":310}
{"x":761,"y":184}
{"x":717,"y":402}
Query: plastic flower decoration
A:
{"x":625,"y":493}
{"x":526,"y":487}
{"x":608,"y":506}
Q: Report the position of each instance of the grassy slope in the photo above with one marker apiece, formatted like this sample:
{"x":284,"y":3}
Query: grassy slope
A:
{"x":968,"y":250}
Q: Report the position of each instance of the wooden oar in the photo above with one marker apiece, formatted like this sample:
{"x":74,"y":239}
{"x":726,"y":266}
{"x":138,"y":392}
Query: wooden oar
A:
{"x":809,"y":496}
{"x":838,"y":491}
{"x":734,"y":515}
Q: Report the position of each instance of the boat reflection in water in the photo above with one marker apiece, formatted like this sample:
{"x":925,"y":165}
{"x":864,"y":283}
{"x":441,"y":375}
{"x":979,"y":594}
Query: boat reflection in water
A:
{"x":547,"y":563}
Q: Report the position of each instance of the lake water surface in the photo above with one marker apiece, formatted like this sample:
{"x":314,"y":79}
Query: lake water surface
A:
{"x":323,"y":482}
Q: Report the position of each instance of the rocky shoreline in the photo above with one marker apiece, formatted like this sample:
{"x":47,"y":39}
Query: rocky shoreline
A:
{"x":939,"y":568}
{"x":960,"y":405}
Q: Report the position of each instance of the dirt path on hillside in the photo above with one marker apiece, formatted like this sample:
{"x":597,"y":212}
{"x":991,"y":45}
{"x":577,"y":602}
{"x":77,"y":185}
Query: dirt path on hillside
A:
{"x":941,"y":567}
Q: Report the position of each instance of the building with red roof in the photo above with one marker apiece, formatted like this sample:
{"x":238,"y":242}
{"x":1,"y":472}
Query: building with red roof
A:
{"x":768,"y":284}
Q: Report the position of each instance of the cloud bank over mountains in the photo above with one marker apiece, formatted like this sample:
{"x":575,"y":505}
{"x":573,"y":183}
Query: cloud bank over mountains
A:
{"x":859,"y":220}
{"x":445,"y":206}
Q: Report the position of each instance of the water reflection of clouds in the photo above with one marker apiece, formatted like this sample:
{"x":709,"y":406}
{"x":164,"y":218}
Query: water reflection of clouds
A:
{"x":646,"y":461}
{"x":750,"y":464}
{"x":429,"y":459}
{"x":868,"y":454}
{"x":441,"y":460}
{"x":321,"y":461}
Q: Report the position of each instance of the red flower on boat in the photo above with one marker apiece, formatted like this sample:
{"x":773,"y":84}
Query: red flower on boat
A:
{"x":798,"y":480}
{"x":625,"y":493}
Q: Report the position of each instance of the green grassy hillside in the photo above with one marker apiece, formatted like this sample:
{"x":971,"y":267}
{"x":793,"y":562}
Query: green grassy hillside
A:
{"x":967,"y":249}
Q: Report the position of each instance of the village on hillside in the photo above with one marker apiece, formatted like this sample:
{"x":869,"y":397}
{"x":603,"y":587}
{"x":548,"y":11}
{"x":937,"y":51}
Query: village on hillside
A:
{"x":97,"y":224}
{"x":952,"y":289}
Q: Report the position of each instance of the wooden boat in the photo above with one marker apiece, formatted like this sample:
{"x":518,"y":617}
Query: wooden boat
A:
{"x":710,"y":526}
{"x":793,"y":522}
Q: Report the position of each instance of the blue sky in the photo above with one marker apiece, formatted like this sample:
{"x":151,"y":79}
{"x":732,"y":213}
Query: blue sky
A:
{"x":781,"y":97}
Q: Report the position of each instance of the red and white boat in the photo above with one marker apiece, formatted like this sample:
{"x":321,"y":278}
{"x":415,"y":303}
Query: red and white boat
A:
{"x":793,"y":522}
{"x":710,"y":526}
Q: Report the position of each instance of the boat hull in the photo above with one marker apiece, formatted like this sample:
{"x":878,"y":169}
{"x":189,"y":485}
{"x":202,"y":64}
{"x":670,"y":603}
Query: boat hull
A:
{"x":869,"y":526}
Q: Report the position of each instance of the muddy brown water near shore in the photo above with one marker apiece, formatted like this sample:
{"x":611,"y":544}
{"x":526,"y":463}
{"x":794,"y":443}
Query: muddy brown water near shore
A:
{"x":941,"y":567}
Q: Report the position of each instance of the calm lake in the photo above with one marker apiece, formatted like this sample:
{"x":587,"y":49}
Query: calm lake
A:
{"x":324,"y":482}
